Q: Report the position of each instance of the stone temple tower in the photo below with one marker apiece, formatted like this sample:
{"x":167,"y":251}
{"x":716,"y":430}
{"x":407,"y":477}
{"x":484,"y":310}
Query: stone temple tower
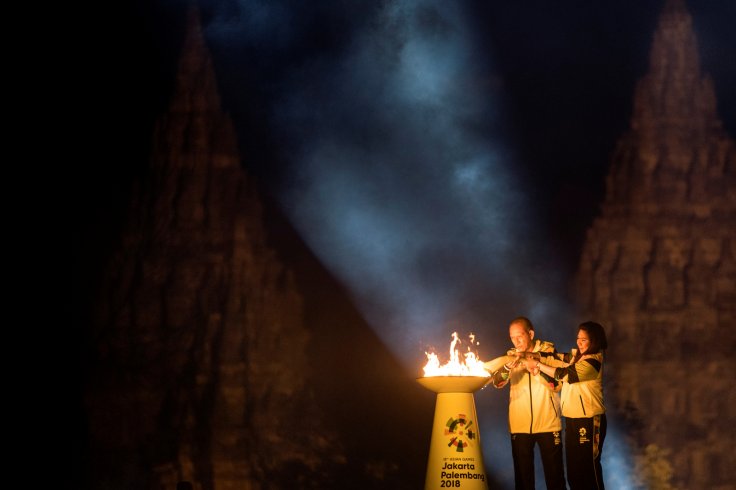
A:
{"x":658,"y":267}
{"x":200,"y":370}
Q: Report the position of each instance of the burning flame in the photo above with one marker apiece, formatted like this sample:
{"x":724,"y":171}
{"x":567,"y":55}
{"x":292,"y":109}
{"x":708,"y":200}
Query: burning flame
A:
{"x":471,"y":365}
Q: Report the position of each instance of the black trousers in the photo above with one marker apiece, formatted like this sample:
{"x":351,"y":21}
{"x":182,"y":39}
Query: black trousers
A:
{"x":550,"y":448}
{"x":583,"y":447}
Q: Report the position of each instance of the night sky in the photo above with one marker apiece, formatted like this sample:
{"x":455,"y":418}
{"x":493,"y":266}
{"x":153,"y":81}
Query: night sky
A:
{"x":442,"y":159}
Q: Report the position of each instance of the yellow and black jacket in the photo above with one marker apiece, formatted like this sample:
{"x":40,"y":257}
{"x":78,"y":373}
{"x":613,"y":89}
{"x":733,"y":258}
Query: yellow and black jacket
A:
{"x":534,"y":401}
{"x":582,"y":383}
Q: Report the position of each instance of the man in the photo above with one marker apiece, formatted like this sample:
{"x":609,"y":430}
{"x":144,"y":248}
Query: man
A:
{"x":534,"y":410}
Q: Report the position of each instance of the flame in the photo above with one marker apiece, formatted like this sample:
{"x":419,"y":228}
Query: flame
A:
{"x":471,"y":365}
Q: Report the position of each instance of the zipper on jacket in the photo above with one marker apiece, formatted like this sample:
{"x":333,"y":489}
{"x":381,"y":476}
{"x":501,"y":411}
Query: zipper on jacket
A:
{"x":531,"y":404}
{"x":581,"y":404}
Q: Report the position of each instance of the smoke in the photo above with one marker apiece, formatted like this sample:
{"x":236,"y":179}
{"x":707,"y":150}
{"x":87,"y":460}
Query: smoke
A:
{"x":396,"y":167}
{"x":398,"y":175}
{"x":389,"y":150}
{"x":616,"y":460}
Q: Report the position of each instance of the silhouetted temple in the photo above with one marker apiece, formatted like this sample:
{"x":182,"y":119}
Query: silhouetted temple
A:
{"x":658,"y":267}
{"x":200,"y":334}
{"x":211,"y":362}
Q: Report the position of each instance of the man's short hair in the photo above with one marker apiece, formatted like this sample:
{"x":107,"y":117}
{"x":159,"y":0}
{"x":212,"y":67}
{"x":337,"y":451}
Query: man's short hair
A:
{"x":524,"y":321}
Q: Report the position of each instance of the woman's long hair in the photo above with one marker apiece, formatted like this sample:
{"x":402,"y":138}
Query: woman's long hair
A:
{"x":597,"y":335}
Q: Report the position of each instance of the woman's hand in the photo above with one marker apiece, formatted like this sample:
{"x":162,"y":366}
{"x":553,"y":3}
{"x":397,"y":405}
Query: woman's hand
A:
{"x":532,"y":365}
{"x":532,"y":355}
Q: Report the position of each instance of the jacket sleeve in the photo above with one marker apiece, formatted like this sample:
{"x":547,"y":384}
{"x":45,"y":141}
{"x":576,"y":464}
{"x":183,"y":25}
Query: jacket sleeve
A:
{"x":497,"y":368}
{"x":551,"y":382}
{"x":584,"y":370}
{"x":500,"y":378}
{"x":548,"y":351}
{"x":555,"y":359}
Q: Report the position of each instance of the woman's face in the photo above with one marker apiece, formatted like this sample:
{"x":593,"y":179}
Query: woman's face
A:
{"x":583,"y":341}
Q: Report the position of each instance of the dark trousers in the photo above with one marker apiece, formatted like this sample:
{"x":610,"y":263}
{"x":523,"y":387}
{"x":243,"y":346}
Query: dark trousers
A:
{"x":550,"y":448}
{"x":583,"y":447}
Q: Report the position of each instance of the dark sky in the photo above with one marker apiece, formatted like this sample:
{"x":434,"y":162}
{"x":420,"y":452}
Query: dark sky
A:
{"x":442,"y":159}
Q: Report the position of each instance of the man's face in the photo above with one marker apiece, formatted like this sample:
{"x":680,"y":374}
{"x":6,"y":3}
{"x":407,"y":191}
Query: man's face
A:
{"x":521,"y":339}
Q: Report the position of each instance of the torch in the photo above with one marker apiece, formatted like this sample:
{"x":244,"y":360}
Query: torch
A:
{"x":455,"y":458}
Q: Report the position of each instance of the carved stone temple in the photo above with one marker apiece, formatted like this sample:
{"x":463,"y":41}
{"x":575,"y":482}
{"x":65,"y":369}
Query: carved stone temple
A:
{"x":221,"y":352}
{"x":201,"y":372}
{"x":658,"y":267}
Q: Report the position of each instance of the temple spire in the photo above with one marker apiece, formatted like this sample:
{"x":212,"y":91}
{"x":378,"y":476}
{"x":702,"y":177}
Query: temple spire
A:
{"x":674,"y":93}
{"x":196,"y":84}
{"x":676,"y":147}
{"x":657,"y":267}
{"x":674,"y":7}
{"x":195,"y":124}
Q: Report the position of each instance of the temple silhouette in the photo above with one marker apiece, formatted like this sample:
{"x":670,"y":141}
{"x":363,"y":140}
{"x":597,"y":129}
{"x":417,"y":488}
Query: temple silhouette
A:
{"x":657,"y":267}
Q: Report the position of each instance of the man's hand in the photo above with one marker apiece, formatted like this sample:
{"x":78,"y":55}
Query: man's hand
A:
{"x":513,"y":363}
{"x":530,"y":355}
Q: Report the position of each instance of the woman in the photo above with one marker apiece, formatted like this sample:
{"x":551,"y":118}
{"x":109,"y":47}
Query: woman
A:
{"x":581,"y":372}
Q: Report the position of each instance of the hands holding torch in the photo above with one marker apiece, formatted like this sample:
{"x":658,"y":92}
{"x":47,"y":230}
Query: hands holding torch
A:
{"x":530,"y":361}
